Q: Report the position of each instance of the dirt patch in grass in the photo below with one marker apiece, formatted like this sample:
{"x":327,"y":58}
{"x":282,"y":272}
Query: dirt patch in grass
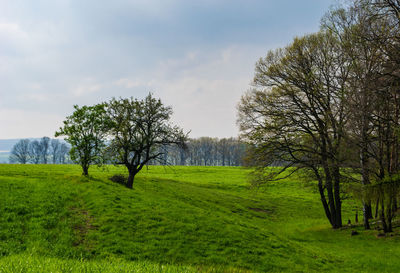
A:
{"x":82,"y":226}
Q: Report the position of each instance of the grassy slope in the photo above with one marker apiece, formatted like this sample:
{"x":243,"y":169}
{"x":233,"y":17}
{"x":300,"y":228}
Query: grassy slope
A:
{"x":186,"y":219}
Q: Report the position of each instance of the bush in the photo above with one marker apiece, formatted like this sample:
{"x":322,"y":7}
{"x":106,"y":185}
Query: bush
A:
{"x":119,"y":178}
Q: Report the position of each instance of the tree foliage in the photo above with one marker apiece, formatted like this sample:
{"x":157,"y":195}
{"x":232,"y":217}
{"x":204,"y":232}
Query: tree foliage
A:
{"x":138,"y":128}
{"x":85,"y":131}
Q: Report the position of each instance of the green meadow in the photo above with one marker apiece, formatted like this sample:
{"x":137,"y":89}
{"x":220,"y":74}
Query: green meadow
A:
{"x":175,"y":219}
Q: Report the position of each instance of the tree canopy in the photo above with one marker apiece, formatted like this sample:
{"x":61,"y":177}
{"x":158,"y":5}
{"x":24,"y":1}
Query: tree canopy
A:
{"x":85,"y":130}
{"x":137,"y":129}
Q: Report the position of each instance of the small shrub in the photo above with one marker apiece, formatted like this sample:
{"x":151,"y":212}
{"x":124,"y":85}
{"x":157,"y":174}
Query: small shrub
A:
{"x":119,"y":178}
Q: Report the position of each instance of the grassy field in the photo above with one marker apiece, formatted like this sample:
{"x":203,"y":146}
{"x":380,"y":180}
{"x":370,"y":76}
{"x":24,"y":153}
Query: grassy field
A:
{"x":176,"y":219}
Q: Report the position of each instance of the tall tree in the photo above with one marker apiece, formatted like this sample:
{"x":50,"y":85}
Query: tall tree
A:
{"x":35,"y":152}
{"x":352,"y":26}
{"x":44,"y":148}
{"x":20,"y":152}
{"x":295,"y":115}
{"x":85,"y":130}
{"x":63,"y":152}
{"x":55,"y":150}
{"x":138,"y":128}
{"x":369,"y":34}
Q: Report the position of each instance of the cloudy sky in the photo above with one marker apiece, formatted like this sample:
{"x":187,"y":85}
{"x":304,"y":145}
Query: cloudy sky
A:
{"x":197,"y":56}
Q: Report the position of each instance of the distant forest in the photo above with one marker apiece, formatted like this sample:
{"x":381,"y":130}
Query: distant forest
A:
{"x":203,"y":151}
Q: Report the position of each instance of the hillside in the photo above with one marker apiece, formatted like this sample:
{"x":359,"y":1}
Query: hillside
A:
{"x":180,"y":219}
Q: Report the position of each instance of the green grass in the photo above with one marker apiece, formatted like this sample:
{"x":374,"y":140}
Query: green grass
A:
{"x":179,"y":219}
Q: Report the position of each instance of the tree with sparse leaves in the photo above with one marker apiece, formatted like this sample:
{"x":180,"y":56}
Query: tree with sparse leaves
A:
{"x":295,"y":115}
{"x":20,"y":152}
{"x":35,"y":152}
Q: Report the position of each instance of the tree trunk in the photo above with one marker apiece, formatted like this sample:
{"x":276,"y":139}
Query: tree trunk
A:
{"x":338,"y":218}
{"x":338,"y":202}
{"x":131,"y":177}
{"x":85,"y":170}
{"x":331,"y":198}
{"x":377,"y":208}
{"x":365,"y":216}
{"x":367,"y":211}
{"x":365,"y":179}
{"x":383,"y":218}
{"x":182,"y":157}
{"x":389,"y":219}
{"x":324,"y":203}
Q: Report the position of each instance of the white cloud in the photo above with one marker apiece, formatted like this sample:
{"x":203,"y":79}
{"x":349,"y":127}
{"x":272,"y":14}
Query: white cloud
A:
{"x":37,"y":97}
{"x":87,"y":87}
{"x":35,"y":86}
{"x":129,"y":83}
{"x":180,"y":50}
{"x":16,"y":123}
{"x":157,"y":8}
{"x":205,"y":88}
{"x":12,"y":32}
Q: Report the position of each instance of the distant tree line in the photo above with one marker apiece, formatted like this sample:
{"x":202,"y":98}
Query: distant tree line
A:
{"x":43,"y":151}
{"x":204,"y":151}
{"x":329,"y":104}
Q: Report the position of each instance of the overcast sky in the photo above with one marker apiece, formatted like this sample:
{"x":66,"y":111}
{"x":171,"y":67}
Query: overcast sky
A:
{"x":197,"y":56}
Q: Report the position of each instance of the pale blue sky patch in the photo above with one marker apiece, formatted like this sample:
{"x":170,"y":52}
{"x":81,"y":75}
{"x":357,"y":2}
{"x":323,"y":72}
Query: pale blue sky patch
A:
{"x":198,"y":56}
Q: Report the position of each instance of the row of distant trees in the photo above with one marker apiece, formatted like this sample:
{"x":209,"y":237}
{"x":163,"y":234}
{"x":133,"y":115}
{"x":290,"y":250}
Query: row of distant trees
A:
{"x":41,"y":151}
{"x":204,"y":151}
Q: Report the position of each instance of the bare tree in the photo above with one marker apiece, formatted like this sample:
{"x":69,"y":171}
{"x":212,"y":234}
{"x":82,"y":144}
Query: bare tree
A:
{"x":35,"y":152}
{"x":370,"y":36}
{"x":55,"y":150}
{"x":20,"y":152}
{"x":351,"y":26}
{"x":44,"y":147}
{"x":296,"y":116}
{"x":63,"y":152}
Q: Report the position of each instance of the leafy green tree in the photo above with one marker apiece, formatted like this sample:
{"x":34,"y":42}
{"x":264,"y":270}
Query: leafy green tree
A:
{"x":85,"y":130}
{"x":138,"y":128}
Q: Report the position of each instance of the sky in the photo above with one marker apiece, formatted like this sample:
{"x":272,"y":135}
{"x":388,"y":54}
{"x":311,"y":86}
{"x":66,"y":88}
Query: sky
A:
{"x":197,"y":56}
